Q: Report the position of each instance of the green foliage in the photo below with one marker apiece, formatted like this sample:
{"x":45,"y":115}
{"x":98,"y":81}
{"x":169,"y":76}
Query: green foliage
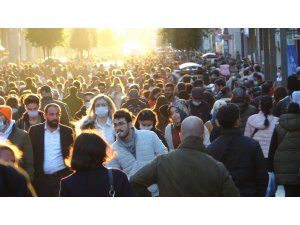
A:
{"x":184,"y":38}
{"x":47,"y":38}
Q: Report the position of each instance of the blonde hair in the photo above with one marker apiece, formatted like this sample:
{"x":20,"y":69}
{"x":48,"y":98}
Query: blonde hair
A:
{"x":111,"y":105}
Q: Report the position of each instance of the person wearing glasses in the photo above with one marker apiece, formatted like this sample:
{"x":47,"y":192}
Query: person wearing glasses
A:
{"x":134,"y":148}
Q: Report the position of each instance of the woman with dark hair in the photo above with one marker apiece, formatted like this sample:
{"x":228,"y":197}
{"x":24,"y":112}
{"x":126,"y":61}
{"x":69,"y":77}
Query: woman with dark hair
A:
{"x":177,"y":112}
{"x":91,"y":178}
{"x":260,"y":126}
{"x":280,"y":92}
{"x":147,"y":120}
{"x":160,"y":109}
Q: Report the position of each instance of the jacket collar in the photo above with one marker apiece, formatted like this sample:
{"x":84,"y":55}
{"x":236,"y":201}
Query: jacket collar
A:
{"x":233,"y":131}
{"x":192,"y":142}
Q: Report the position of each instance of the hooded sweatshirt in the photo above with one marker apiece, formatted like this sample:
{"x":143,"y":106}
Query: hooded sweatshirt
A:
{"x":263,"y":134}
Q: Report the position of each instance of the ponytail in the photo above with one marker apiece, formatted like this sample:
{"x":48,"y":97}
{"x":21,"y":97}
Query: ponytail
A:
{"x":266,"y":123}
{"x":266,"y":103}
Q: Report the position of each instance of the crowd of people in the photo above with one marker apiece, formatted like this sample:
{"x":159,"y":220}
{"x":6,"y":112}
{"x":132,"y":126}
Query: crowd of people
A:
{"x":148,"y":128}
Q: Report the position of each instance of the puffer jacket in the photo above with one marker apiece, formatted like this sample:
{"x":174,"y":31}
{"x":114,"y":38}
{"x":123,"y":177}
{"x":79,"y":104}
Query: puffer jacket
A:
{"x":147,"y":147}
{"x":287,"y":154}
{"x":263,"y":134}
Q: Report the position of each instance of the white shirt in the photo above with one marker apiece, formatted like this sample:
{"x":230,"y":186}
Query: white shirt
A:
{"x":53,"y":159}
{"x":107,"y":131}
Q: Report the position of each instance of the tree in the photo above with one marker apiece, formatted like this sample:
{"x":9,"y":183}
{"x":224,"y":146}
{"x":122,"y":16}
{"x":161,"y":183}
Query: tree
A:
{"x":184,"y":38}
{"x":47,"y":38}
{"x":83,"y":39}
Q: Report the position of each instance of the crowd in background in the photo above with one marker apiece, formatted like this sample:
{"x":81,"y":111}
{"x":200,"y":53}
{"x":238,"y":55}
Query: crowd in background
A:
{"x":99,"y":116}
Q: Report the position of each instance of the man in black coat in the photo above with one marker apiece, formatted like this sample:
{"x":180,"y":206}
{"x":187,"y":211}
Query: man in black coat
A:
{"x":73,"y":101}
{"x":241,"y":155}
{"x":50,"y":142}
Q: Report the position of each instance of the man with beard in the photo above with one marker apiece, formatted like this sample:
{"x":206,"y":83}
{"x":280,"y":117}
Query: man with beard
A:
{"x":50,"y":142}
{"x":169,"y":93}
{"x":135,"y":148}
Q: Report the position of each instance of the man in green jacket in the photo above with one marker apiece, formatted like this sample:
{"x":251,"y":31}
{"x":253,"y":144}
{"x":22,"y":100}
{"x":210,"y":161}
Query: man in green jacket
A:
{"x":187,"y":171}
{"x":20,"y":138}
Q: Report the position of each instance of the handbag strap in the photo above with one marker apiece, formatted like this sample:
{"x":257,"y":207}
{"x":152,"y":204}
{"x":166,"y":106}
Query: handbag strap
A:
{"x":111,"y":191}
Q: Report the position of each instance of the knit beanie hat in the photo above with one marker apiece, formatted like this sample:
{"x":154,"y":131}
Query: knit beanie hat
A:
{"x":6,"y":111}
{"x":181,"y":106}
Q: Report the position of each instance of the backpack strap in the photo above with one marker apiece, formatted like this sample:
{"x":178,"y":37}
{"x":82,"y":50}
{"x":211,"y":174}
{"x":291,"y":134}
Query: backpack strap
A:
{"x":111,"y":191}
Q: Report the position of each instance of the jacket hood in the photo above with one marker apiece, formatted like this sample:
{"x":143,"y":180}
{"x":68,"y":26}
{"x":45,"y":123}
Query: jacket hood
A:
{"x":290,"y":121}
{"x":257,"y":120}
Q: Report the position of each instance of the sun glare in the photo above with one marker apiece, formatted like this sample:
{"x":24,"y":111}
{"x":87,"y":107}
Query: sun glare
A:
{"x":134,"y":40}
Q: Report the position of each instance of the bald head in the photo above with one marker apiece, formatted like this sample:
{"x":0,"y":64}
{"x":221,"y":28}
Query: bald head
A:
{"x":192,"y":126}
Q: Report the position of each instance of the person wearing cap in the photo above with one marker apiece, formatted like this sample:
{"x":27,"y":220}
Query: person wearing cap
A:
{"x":20,"y":138}
{"x":134,"y":104}
{"x":188,"y":171}
{"x":177,"y":113}
{"x":198,"y":107}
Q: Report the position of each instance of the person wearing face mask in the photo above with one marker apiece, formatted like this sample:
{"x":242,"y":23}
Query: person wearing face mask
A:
{"x":87,"y":97}
{"x":147,"y":120}
{"x":9,"y":131}
{"x":134,"y":148}
{"x":32,"y":115}
{"x":198,"y":107}
{"x":99,"y":116}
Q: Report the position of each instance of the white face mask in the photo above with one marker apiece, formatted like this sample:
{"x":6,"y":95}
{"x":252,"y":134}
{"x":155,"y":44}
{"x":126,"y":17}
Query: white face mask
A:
{"x":88,"y":105}
{"x":2,"y":125}
{"x":14,"y":110}
{"x":33,"y":113}
{"x":101,"y":111}
{"x":146,"y":127}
